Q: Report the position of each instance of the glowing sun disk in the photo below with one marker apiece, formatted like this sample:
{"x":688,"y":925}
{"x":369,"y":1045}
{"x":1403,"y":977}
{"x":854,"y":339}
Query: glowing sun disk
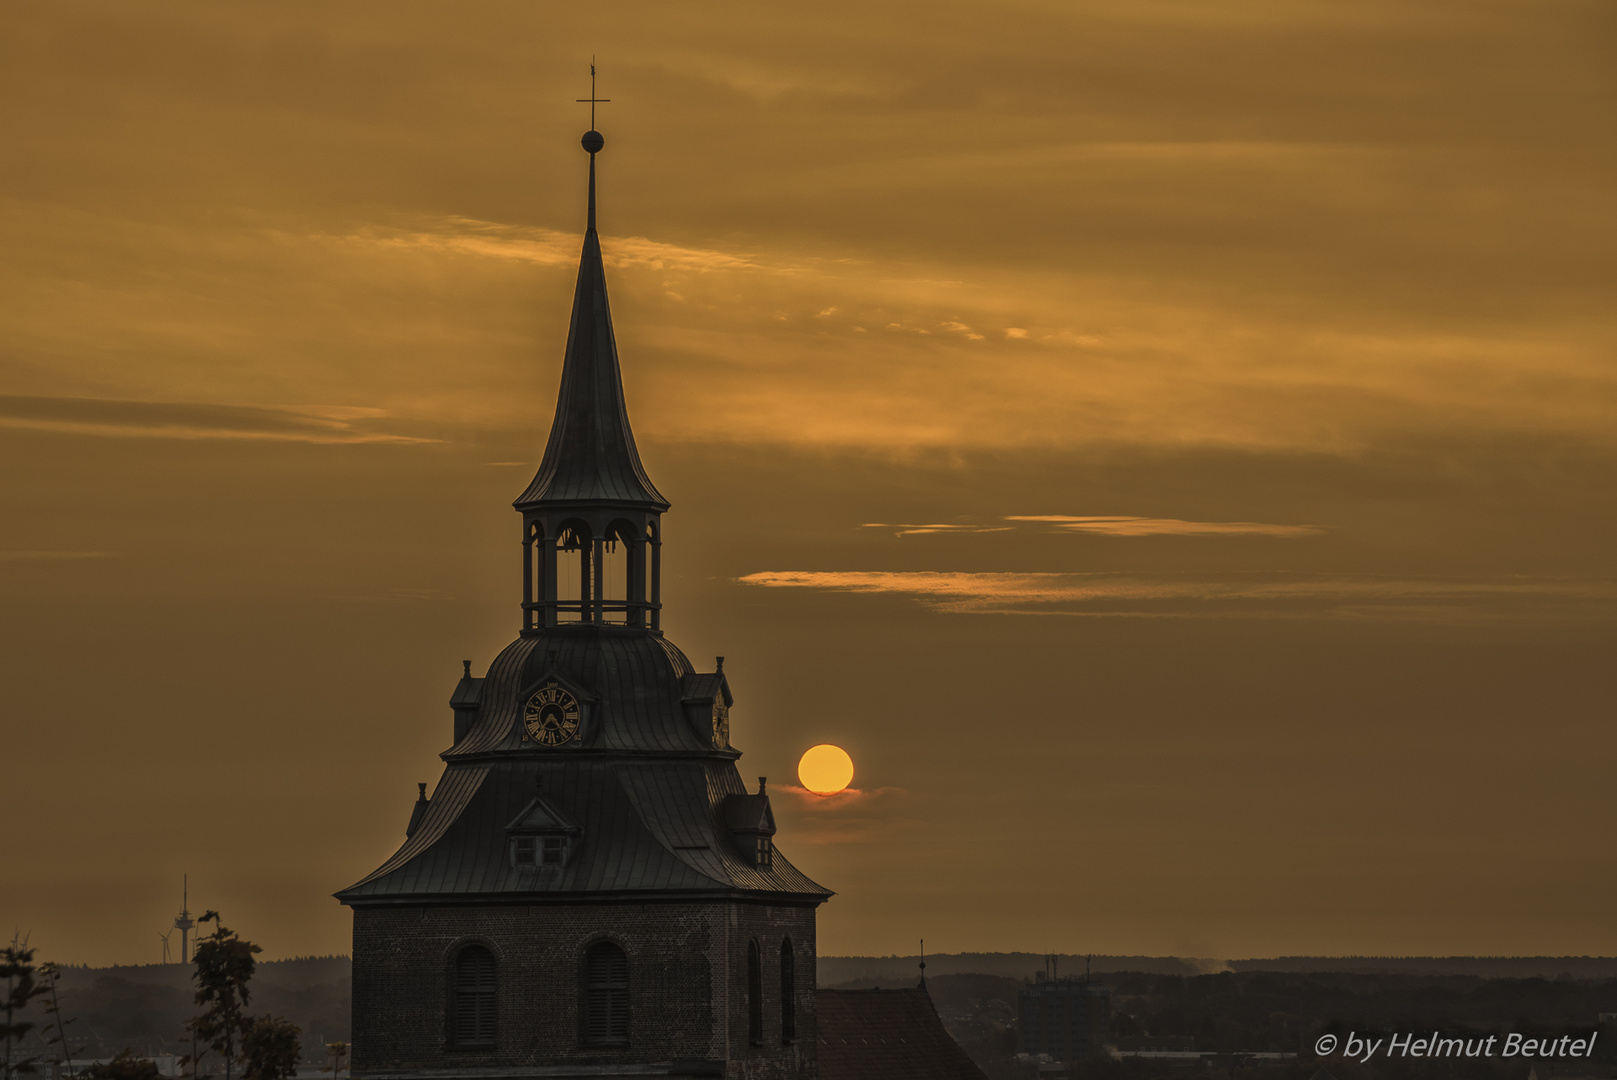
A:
{"x":825,"y":769}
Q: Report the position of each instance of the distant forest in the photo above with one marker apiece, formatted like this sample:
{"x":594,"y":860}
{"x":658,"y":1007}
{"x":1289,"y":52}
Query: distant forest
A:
{"x":144,"y":1008}
{"x":836,"y":970}
{"x":1157,"y":1003}
{"x":1234,"y":1012}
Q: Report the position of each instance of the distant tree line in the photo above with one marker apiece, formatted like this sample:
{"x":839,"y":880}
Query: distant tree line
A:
{"x":1234,"y":1013}
{"x":222,"y":1031}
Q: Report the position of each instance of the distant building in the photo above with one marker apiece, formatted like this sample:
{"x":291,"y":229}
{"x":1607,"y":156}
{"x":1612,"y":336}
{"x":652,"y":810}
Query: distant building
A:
{"x":1069,"y":1019}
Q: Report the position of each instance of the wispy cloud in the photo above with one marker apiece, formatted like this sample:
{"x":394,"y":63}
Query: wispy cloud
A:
{"x":1112,"y":525}
{"x":771,"y":335}
{"x":52,"y":556}
{"x":551,"y":247}
{"x":110,"y":418}
{"x":920,"y":530}
{"x":1143,"y":526}
{"x":1248,"y":594}
{"x":397,"y":595}
{"x":852,"y":815}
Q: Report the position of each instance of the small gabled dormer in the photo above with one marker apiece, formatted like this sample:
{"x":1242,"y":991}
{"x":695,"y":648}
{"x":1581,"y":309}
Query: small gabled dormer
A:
{"x":466,"y":700}
{"x":752,"y":824}
{"x":541,"y":837}
{"x":706,"y":699}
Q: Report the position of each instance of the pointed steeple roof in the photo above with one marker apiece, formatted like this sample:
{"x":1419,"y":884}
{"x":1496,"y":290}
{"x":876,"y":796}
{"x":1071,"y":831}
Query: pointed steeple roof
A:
{"x":591,"y":456}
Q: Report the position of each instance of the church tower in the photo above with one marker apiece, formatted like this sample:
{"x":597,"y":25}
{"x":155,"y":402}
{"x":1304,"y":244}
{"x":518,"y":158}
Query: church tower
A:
{"x":591,"y":890}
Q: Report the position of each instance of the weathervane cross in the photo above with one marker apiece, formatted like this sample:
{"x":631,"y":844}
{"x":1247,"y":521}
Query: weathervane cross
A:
{"x":592,"y":99}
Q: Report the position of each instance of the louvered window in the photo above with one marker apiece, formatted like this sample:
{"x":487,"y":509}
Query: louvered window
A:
{"x":606,"y":994}
{"x":788,"y":993}
{"x":755,"y":993}
{"x":474,"y":997}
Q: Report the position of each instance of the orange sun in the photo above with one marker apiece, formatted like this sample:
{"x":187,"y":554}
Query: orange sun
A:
{"x":825,"y":769}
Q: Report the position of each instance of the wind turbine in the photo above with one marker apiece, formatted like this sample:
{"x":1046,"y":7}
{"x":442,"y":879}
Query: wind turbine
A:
{"x":166,"y":959}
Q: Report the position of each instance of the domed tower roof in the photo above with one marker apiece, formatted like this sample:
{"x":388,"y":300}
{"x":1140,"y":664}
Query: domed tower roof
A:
{"x":631,"y":687}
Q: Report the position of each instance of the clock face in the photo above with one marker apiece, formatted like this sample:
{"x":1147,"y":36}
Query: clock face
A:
{"x":721,"y":722}
{"x":551,"y":716}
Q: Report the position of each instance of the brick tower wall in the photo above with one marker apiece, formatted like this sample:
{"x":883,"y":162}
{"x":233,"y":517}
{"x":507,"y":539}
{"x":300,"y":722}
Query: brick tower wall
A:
{"x":687,"y":979}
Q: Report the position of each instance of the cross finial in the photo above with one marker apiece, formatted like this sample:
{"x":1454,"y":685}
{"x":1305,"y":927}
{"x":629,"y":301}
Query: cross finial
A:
{"x":592,"y":99}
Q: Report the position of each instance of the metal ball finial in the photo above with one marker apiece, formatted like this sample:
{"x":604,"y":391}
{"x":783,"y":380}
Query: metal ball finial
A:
{"x":592,"y":141}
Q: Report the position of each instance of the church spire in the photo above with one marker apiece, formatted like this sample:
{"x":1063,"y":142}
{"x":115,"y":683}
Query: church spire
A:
{"x":591,"y":456}
{"x":591,"y":492}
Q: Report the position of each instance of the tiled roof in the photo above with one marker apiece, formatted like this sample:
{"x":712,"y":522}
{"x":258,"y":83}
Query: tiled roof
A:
{"x":886,"y":1035}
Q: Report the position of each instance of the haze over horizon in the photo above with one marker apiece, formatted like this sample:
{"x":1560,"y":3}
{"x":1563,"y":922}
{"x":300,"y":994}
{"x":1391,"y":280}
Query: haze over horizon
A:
{"x":1171,"y":447}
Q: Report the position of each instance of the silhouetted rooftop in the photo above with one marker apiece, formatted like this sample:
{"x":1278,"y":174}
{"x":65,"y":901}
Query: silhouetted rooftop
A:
{"x":886,"y":1035}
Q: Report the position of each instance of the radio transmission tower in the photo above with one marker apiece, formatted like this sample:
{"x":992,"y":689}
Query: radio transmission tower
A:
{"x":183,"y":922}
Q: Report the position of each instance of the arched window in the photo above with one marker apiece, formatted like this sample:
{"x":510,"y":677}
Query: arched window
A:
{"x":788,"y":992}
{"x":606,"y":994}
{"x":473,"y":1021}
{"x":755,"y":993}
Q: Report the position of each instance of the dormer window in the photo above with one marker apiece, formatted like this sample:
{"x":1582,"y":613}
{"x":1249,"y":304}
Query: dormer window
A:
{"x":528,"y":852}
{"x":752,"y":824}
{"x":542,"y":837}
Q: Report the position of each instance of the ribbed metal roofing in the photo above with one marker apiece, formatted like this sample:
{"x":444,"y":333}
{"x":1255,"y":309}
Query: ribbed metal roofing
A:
{"x":630,"y":682}
{"x":591,"y":456}
{"x":650,"y":797}
{"x":644,"y":826}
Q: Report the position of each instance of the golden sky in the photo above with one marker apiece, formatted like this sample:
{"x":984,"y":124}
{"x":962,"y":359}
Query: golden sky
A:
{"x":1169,"y":443}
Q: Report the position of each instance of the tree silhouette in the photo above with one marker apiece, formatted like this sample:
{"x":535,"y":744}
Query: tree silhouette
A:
{"x":224,"y":965}
{"x":17,"y":965}
{"x":49,"y":977}
{"x":270,"y":1050}
{"x":123,"y":1067}
{"x":338,"y":1053}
